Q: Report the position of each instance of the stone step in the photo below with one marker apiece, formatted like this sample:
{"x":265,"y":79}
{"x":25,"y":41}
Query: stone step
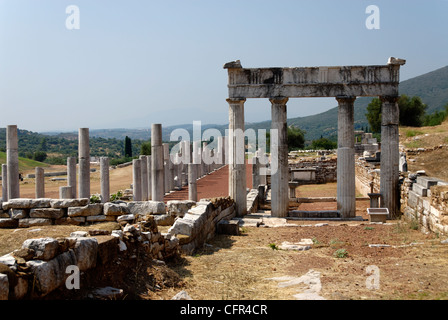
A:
{"x":420,"y":189}
{"x":314,"y":214}
{"x":427,"y":182}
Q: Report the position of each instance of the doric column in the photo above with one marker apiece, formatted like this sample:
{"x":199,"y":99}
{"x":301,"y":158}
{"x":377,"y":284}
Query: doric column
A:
{"x":144,"y":176}
{"x":192,"y":185}
{"x":4,"y":182}
{"x":12,"y":162}
{"x":255,"y":172}
{"x":40,"y":182}
{"x":237,"y":165}
{"x":137,"y":179}
{"x":157,"y":175}
{"x":279,"y":158}
{"x":390,"y":156}
{"x":346,"y":201}
{"x":71,"y":175}
{"x":84,"y":163}
{"x":149,"y":164}
{"x":104,"y":179}
{"x":166,"y":165}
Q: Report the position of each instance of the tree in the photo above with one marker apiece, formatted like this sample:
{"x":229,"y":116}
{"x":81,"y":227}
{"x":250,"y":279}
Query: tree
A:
{"x":373,"y":115}
{"x":39,"y":156}
{"x":127,"y":147}
{"x":412,"y":111}
{"x":296,"y":138}
{"x":323,"y":143}
{"x":146,"y":148}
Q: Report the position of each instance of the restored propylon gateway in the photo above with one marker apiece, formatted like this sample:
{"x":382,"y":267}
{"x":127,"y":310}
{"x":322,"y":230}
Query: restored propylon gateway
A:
{"x":345,"y":84}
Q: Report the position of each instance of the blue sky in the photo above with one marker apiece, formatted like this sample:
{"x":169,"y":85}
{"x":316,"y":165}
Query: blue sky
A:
{"x":135,"y":62}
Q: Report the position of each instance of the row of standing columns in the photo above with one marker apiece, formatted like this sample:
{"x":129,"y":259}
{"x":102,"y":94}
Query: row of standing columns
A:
{"x":346,"y":192}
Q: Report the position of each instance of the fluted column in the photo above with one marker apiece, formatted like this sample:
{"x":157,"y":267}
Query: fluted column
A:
{"x":4,"y":182}
{"x":71,"y":175}
{"x":12,"y":161}
{"x":137,"y":179}
{"x":390,"y":156}
{"x":144,"y":177}
{"x":40,"y":182}
{"x":237,"y":166}
{"x":279,"y":158}
{"x":84,"y":163}
{"x":157,"y":176}
{"x":104,"y":179}
{"x":346,"y":193}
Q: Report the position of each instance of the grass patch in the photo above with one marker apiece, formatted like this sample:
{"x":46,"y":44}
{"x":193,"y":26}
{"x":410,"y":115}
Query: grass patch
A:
{"x":273,"y":246}
{"x":24,"y":163}
{"x":414,"y":144}
{"x":369,"y":228}
{"x":340,"y":253}
{"x":413,"y":133}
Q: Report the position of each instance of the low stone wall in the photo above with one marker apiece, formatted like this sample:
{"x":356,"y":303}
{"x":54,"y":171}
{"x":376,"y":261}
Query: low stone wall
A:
{"x":424,"y":200}
{"x":22,"y":213}
{"x":325,"y":170}
{"x":367,"y":175}
{"x":43,"y":265}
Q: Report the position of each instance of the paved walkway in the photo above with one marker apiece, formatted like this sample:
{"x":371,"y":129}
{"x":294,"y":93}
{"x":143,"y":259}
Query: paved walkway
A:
{"x":215,"y":184}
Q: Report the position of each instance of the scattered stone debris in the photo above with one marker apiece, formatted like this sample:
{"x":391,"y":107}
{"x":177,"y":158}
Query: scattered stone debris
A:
{"x":311,"y":279}
{"x":182,"y":295}
{"x":106,"y":293}
{"x":304,"y":244}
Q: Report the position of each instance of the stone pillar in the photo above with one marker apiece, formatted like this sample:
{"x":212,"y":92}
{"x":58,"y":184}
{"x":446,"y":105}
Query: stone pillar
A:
{"x":65,"y":192}
{"x":390,"y":156}
{"x":40,"y":182}
{"x":71,"y":175}
{"x":157,"y":174}
{"x":4,"y":182}
{"x":192,"y":185}
{"x":12,"y":162}
{"x":84,"y":163}
{"x":237,"y":165}
{"x":144,"y":176}
{"x":104,"y":179}
{"x":279,"y":159}
{"x":186,"y":156}
{"x":178,"y":171}
{"x":137,"y":179}
{"x":166,"y":164}
{"x":149,"y":164}
{"x":346,"y":193}
{"x":255,"y":173}
{"x":204,"y":156}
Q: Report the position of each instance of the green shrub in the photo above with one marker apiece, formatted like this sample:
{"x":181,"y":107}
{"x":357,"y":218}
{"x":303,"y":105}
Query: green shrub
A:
{"x":341,"y":253}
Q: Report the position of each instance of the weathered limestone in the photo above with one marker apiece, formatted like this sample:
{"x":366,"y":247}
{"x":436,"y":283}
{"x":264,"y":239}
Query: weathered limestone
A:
{"x":237,"y":167}
{"x":65,"y":192}
{"x":346,"y":192}
{"x":166,"y":163}
{"x":104,"y":179}
{"x":71,"y":175}
{"x":4,"y":182}
{"x":137,"y":179}
{"x":279,"y":159}
{"x":149,"y":171}
{"x":255,"y":172}
{"x":39,"y":183}
{"x":12,"y":161}
{"x":192,"y":185}
{"x":157,"y":174}
{"x":144,"y":177}
{"x":84,"y":163}
{"x":390,"y":156}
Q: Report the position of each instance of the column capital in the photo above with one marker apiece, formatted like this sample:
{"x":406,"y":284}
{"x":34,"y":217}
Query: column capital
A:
{"x":344,"y":98}
{"x":390,"y":99}
{"x":279,"y":100}
{"x":236,"y":100}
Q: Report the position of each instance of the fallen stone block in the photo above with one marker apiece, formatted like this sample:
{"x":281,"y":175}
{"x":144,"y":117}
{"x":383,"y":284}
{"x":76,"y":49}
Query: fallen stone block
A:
{"x":23,"y":203}
{"x":107,"y":248}
{"x":66,"y":203}
{"x":31,"y":222}
{"x":18,"y":213}
{"x":179,"y":207}
{"x":85,"y":211}
{"x":70,"y":221}
{"x":146,"y":207}
{"x":86,"y":250}
{"x":115,"y":209}
{"x":44,"y":248}
{"x":107,"y":293}
{"x":50,"y":213}
{"x":49,"y":275}
{"x":100,"y":218}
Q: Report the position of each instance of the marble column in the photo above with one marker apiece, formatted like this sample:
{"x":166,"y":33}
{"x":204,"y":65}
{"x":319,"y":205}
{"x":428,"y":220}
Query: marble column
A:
{"x":346,"y":193}
{"x":137,"y":179}
{"x":192,"y":185}
{"x":4,"y":182}
{"x":12,"y":162}
{"x":157,"y":174}
{"x":237,"y":165}
{"x":144,"y":176}
{"x":149,"y":171}
{"x":71,"y":175}
{"x":84,"y":163}
{"x":166,"y":165}
{"x":40,"y":182}
{"x":255,"y":172}
{"x":104,"y":179}
{"x":279,"y":154}
{"x":390,"y":156}
{"x":65,"y":192}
